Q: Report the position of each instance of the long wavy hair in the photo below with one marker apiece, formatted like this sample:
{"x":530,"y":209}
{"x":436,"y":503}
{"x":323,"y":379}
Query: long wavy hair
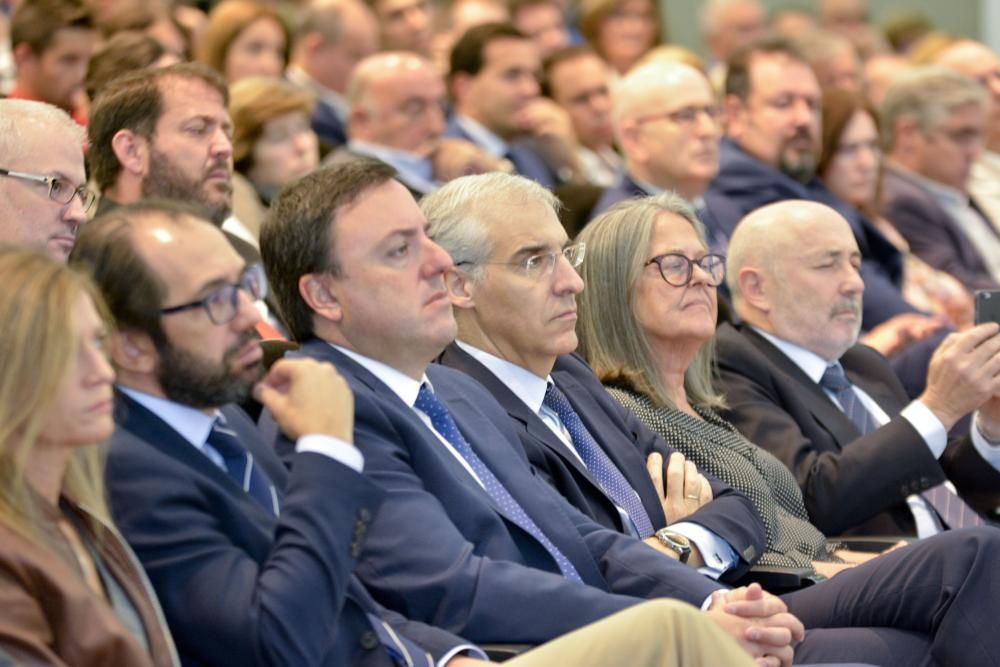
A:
{"x":610,"y":338}
{"x":39,"y":350}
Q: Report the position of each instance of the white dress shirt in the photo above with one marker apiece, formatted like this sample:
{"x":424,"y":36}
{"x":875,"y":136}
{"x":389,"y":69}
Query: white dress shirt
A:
{"x":482,"y":136}
{"x":718,"y":555}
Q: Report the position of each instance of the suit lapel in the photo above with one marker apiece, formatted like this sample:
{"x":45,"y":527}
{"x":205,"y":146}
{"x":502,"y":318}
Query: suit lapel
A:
{"x":826,"y":413}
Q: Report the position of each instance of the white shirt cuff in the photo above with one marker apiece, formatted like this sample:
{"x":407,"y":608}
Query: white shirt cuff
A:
{"x":472,"y":651}
{"x":928,"y":426}
{"x":335,"y":448}
{"x":715,"y":551}
{"x":991,"y":453}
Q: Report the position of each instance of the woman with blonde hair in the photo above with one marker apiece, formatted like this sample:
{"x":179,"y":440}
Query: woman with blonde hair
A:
{"x":71,"y":591}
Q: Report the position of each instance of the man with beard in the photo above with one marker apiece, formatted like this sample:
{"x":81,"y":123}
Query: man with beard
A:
{"x":769,"y":153}
{"x":166,"y":133}
{"x":867,"y":461}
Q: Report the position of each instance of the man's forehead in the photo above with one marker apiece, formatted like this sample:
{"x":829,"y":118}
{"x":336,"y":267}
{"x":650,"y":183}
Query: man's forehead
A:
{"x":794,"y":72}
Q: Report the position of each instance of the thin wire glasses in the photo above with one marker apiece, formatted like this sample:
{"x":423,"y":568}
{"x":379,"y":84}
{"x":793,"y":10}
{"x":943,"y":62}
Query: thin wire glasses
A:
{"x":541,"y":265}
{"x":61,"y":191}
{"x":676,"y":269}
{"x":223,"y":303}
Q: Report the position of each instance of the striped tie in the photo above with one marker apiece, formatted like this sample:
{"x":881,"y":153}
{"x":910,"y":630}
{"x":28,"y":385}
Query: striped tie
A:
{"x":240,"y":466}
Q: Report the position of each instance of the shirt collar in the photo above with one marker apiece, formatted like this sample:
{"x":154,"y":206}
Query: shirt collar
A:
{"x":526,"y":385}
{"x":944,"y":193}
{"x":405,"y":387}
{"x":191,"y":424}
{"x":328,"y":96}
{"x":482,"y":136}
{"x":412,"y":168}
{"x":811,"y":363}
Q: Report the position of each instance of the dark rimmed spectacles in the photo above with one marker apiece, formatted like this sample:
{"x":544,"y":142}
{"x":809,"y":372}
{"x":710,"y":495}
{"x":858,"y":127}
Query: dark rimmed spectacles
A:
{"x":223,"y":303}
{"x":676,"y":269}
{"x":542,"y":265}
{"x":61,"y":191}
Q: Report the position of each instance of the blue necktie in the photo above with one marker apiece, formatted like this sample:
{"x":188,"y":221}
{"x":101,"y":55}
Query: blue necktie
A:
{"x":240,"y":466}
{"x":954,"y":512}
{"x":401,"y":650}
{"x":443,"y":423}
{"x":603,"y":468}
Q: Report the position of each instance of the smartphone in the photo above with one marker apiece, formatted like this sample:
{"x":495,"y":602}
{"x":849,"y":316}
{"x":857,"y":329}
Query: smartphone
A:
{"x":987,"y":306}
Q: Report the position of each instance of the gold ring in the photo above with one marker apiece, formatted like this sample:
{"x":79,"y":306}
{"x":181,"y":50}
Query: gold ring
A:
{"x":691,"y":497}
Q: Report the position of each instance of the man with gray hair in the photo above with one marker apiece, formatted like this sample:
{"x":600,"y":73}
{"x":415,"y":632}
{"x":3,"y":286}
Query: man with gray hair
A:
{"x":868,"y":461}
{"x":726,"y":27}
{"x":331,"y":38}
{"x":396,"y":113}
{"x":932,"y":130}
{"x":42,"y":180}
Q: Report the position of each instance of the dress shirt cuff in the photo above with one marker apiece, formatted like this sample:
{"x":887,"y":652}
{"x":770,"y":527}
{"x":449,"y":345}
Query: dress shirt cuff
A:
{"x":469,"y":650}
{"x":715,"y":551}
{"x":989,"y":451}
{"x":335,"y":448}
{"x":928,"y":426}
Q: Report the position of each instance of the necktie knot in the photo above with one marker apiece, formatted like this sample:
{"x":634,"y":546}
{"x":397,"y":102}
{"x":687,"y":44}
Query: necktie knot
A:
{"x":556,"y":401}
{"x":834,"y":378}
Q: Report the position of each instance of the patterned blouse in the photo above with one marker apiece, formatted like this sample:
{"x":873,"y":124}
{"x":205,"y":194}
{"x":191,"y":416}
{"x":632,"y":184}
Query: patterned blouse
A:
{"x":715,"y":446}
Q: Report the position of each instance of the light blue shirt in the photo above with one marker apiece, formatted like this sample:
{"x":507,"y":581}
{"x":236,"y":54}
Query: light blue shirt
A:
{"x":482,"y":136}
{"x":415,"y":171}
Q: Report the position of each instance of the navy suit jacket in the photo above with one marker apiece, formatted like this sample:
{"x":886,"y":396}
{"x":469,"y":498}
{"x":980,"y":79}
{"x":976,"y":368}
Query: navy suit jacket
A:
{"x":932,"y":234}
{"x":626,"y":441}
{"x":239,"y":586}
{"x":328,"y":126}
{"x":441,"y":551}
{"x":745,"y":184}
{"x":526,"y":162}
{"x":850,"y":483}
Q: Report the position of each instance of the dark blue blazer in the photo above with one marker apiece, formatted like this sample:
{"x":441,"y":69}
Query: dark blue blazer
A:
{"x":745,"y":184}
{"x":442,"y":552}
{"x":526,"y":162}
{"x":625,"y":440}
{"x":237,"y":585}
{"x":328,"y":126}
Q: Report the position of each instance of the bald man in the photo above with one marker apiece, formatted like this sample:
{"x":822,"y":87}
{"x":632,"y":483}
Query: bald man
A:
{"x":42,"y":179}
{"x":396,"y":106}
{"x":867,"y":462}
{"x":977,"y":61}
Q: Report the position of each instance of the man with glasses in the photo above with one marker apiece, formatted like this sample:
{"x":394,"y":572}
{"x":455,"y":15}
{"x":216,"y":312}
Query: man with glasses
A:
{"x":666,"y":122}
{"x":42,"y":179}
{"x":514,"y":292}
{"x":933,"y":122}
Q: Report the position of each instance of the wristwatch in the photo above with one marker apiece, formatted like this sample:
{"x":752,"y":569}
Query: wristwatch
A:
{"x":675,"y":542}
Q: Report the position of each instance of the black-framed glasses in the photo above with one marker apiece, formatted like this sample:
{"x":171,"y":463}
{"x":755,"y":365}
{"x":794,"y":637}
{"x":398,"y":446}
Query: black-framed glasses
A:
{"x":541,"y":265}
{"x":223,"y":303}
{"x":676,"y":269}
{"x":61,"y":191}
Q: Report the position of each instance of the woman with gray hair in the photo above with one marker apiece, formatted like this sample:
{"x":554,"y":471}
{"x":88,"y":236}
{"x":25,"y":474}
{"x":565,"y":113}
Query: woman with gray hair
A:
{"x":646,"y":323}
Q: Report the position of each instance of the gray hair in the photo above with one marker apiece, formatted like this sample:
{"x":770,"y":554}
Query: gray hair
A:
{"x":461,"y":213}
{"x":926,"y":94}
{"x":610,"y":337}
{"x":17,"y":116}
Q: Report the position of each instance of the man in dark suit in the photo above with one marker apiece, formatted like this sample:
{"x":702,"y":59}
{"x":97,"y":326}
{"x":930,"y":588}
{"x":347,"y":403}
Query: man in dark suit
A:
{"x":516,"y":330}
{"x":933,"y":124}
{"x":866,"y":461}
{"x":331,"y":38}
{"x":469,"y":537}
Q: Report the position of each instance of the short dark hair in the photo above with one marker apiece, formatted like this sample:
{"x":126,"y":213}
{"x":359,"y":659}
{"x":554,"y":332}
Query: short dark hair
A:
{"x":123,"y":53}
{"x":468,"y":54}
{"x":738,"y":67}
{"x":135,"y":102}
{"x":565,"y":54}
{"x":105,"y":250}
{"x":36,"y":22}
{"x":297,"y":235}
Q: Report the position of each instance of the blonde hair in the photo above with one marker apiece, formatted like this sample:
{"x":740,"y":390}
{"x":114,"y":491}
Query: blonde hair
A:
{"x":39,"y":349}
{"x":610,"y":338}
{"x":225,"y":23}
{"x":253,"y":102}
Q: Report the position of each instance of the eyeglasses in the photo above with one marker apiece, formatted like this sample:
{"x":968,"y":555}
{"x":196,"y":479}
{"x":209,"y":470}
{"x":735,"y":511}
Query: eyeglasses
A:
{"x":61,"y":191}
{"x":540,"y":266}
{"x":223,"y":303}
{"x":676,"y":269}
{"x":685,"y":117}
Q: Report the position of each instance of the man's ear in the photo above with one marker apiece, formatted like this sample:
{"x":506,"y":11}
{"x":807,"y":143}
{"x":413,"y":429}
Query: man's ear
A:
{"x":458,"y":87}
{"x":316,"y":292}
{"x":631,"y":143}
{"x":753,"y":288}
{"x":461,"y":289}
{"x":23,"y":54}
{"x":132,"y":151}
{"x":133,"y":352}
{"x":733,"y":116}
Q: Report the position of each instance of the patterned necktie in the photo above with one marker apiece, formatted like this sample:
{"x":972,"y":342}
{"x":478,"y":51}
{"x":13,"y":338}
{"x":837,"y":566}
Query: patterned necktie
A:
{"x":603,"y":468}
{"x":953,"y":511}
{"x":240,"y":466}
{"x":443,"y":423}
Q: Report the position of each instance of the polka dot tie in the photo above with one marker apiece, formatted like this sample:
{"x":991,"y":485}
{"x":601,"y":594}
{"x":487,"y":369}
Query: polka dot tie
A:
{"x":601,"y":467}
{"x":241,"y":468}
{"x":443,"y":423}
{"x":954,"y":512}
